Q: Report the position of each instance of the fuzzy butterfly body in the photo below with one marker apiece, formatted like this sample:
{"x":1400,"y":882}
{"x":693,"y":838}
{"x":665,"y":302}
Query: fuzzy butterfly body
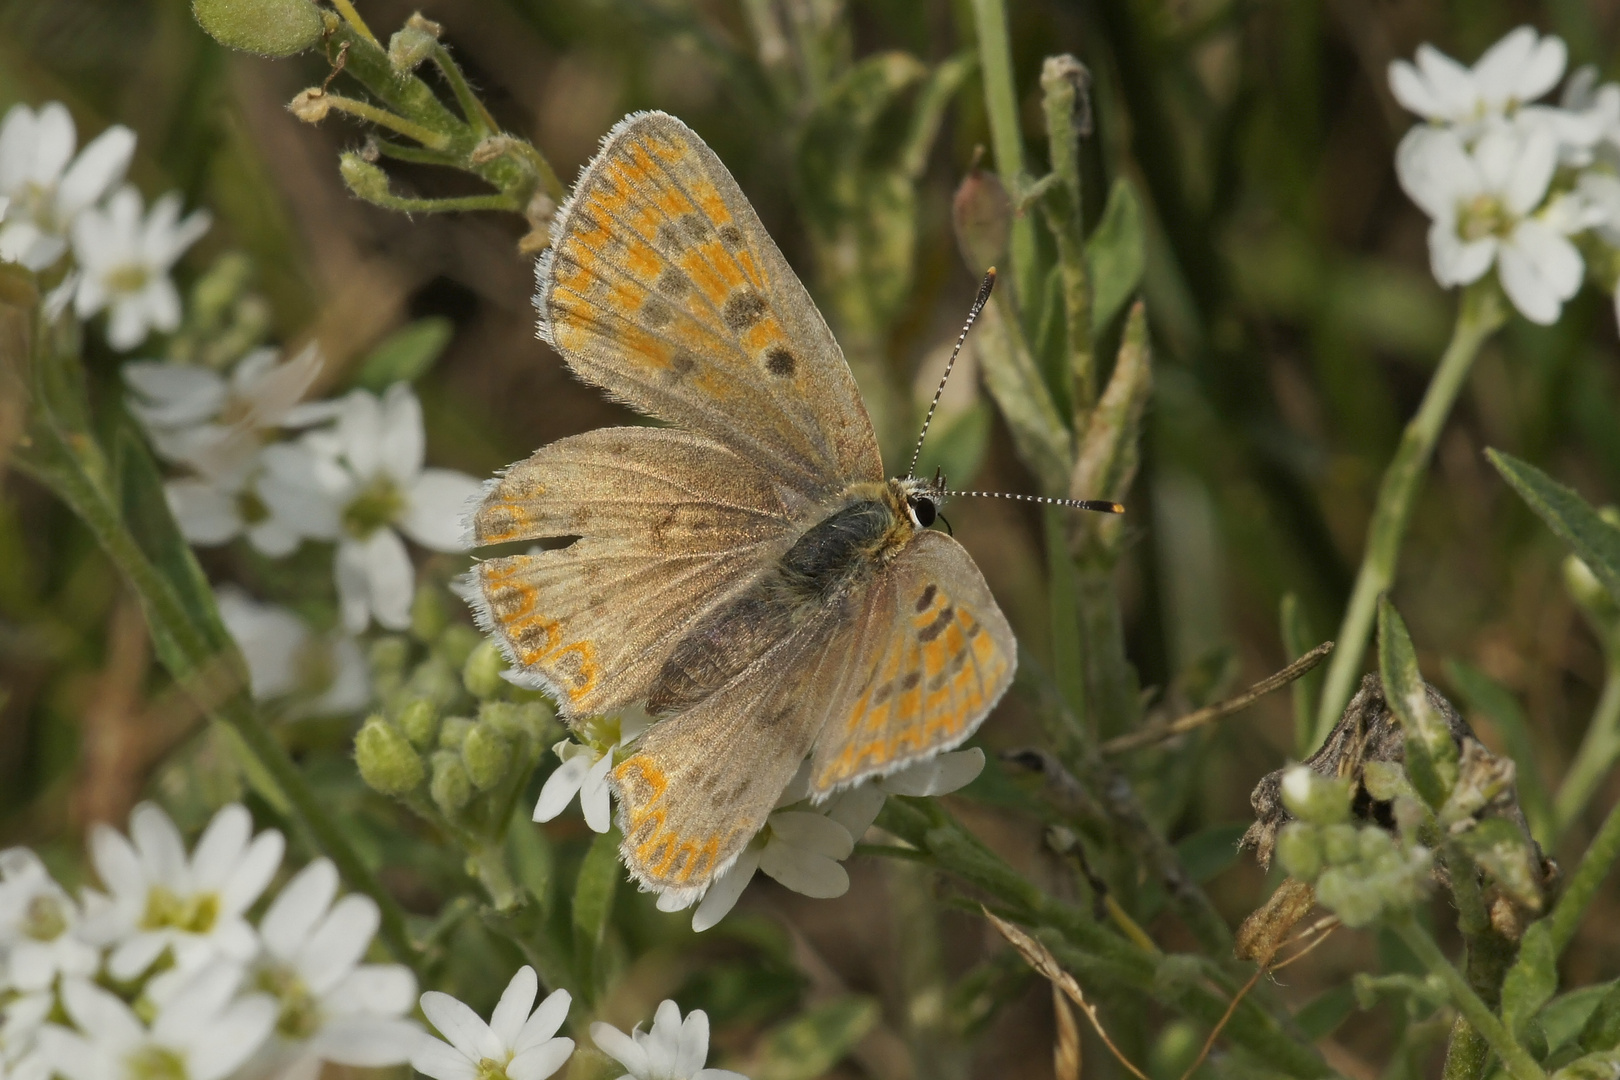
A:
{"x":746,"y":573}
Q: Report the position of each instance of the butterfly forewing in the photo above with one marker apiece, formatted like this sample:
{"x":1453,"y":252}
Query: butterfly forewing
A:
{"x":932,"y":656}
{"x":663,"y":288}
{"x":670,"y":525}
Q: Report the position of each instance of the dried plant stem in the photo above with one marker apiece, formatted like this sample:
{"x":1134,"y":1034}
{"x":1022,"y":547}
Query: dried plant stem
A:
{"x":1215,"y":1031}
{"x":1514,"y":1058}
{"x":1586,"y":880}
{"x":1001,"y":102}
{"x":1198,"y":718}
{"x":1478,"y":316}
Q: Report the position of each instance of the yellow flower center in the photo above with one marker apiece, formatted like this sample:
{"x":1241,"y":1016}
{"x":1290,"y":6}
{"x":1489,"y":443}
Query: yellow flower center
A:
{"x":155,"y":1063}
{"x":131,"y":277}
{"x":1484,"y":216}
{"x":45,"y":920}
{"x":193,"y":914}
{"x":379,"y":504}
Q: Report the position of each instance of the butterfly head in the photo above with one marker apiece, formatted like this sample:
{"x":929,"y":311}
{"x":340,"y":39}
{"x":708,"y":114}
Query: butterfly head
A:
{"x":923,"y":498}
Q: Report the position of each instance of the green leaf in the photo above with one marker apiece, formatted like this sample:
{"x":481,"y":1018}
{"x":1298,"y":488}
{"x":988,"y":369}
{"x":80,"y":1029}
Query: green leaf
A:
{"x":1067,"y":659}
{"x":1322,"y":1015}
{"x":405,"y":355}
{"x":598,"y":880}
{"x":1503,"y":851}
{"x":1211,"y":850}
{"x":1533,"y":978}
{"x":1297,"y":641}
{"x":812,"y":1043}
{"x":1596,"y":541}
{"x":1604,"y":1065}
{"x":1601,"y":1028}
{"x":1115,"y":255}
{"x":1431,"y":756}
{"x":533,"y":862}
{"x":1481,"y":694}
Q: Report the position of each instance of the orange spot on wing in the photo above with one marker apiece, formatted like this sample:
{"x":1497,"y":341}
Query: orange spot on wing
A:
{"x":708,"y":199}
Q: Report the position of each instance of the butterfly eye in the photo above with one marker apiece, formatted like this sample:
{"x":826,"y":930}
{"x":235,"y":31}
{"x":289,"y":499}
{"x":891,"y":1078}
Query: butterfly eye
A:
{"x":923,"y":510}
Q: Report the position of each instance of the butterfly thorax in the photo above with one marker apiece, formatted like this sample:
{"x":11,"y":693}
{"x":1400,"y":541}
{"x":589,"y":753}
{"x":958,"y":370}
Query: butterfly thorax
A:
{"x":812,"y":580}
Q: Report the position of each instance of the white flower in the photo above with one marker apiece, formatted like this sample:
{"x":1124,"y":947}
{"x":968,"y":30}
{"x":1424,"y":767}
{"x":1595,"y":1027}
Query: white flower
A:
{"x":161,"y":900}
{"x":195,"y":416}
{"x":585,"y":766}
{"x":332,"y":1007}
{"x":125,"y":256}
{"x":285,"y":657}
{"x":1513,"y":73}
{"x":202,"y":1032}
{"x":46,"y":194}
{"x":370,"y":468}
{"x":672,"y":1050}
{"x":38,"y":926}
{"x":802,"y":848}
{"x":1484,"y":203}
{"x":21,"y":1022}
{"x":276,"y":501}
{"x":516,"y":1044}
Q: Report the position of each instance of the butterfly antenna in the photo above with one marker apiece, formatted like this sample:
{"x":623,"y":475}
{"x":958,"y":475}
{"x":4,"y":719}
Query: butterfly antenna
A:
{"x":983,"y":298}
{"x":1102,"y":506}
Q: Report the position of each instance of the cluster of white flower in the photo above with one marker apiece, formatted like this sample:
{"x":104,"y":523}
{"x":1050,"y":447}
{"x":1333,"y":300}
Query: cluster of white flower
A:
{"x":520,"y":1041}
{"x":260,"y":463}
{"x":802,"y":844}
{"x":162,"y":975}
{"x":1508,"y":182}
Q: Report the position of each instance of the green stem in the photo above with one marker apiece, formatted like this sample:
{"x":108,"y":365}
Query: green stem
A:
{"x":1597,"y":754}
{"x":1480,"y":313}
{"x":352,"y":17}
{"x":1001,"y":103}
{"x":1585,"y":881}
{"x":1514,"y":1058}
{"x":1064,"y":208}
{"x":1467,"y":1052}
{"x":429,"y":138}
{"x":471,"y":108}
{"x":493,"y":201}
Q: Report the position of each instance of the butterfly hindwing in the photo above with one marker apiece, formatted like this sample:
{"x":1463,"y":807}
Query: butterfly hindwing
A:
{"x":663,"y":288}
{"x":669,"y":525}
{"x":933,"y":654}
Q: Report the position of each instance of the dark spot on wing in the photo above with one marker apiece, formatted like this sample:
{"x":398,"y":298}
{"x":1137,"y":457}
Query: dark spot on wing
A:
{"x":731,"y":236}
{"x":779,"y":361}
{"x":911,"y":680}
{"x":669,"y":241}
{"x":655,"y":313}
{"x":937,"y":627}
{"x":681,"y":365}
{"x":744,"y":307}
{"x":672,"y":282}
{"x":694,"y":227}
{"x":927,"y":597}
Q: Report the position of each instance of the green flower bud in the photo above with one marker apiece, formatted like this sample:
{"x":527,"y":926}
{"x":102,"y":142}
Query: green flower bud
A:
{"x":1314,"y":798}
{"x":458,"y":642}
{"x":1354,"y":901}
{"x":1300,"y":849}
{"x":487,"y":755}
{"x":1340,"y":844}
{"x":266,"y":27}
{"x":517,"y":719}
{"x":1588,"y":593}
{"x":363,"y":178}
{"x":1375,"y":846}
{"x":387,"y":761}
{"x":429,"y":616}
{"x":408,"y":48}
{"x":454,"y":732}
{"x":436,"y":680}
{"x":388,"y":656}
{"x":481,"y":675}
{"x":419,"y":720}
{"x":450,"y":787}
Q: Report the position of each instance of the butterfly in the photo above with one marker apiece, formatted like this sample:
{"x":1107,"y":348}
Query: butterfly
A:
{"x":747,"y":573}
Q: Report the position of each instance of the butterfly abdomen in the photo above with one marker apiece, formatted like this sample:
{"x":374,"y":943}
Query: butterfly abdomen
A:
{"x":809,"y":581}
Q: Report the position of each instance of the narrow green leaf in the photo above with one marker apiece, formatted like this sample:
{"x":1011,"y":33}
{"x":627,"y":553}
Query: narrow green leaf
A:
{"x":1603,"y":1065}
{"x":1504,"y":852}
{"x":813,"y":1042}
{"x":1297,"y":640}
{"x":1115,"y":254}
{"x":1209,"y":851}
{"x":1068,"y":664}
{"x":533,"y":862}
{"x":1482,"y":694}
{"x":1596,"y":541}
{"x":1322,"y":1015}
{"x":1601,"y":1030}
{"x":1533,"y":978}
{"x":406,"y":354}
{"x":598,"y":880}
{"x":1431,"y":756}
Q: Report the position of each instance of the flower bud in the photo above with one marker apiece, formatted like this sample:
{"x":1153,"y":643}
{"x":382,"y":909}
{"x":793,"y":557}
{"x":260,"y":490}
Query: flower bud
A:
{"x":266,"y":27}
{"x":429,"y":616}
{"x":311,"y":106}
{"x":386,"y":760}
{"x":457,"y":643}
{"x":982,"y":215}
{"x":517,"y":719}
{"x":1587,"y":591}
{"x":1356,"y":902}
{"x":1340,"y":844}
{"x":487,"y":755}
{"x":387,"y":657}
{"x":450,"y":787}
{"x":435,"y":680}
{"x":1313,"y":798}
{"x":419,"y":720}
{"x":409,"y":46}
{"x":363,"y":178}
{"x":454,"y":732}
{"x":481,"y":674}
{"x":1300,"y":849}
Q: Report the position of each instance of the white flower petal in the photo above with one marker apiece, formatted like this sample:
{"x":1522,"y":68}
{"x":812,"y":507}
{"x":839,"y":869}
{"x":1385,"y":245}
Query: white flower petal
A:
{"x":162,"y":851}
{"x":431,"y":1057}
{"x":1413,"y":92}
{"x":593,"y":796}
{"x":401,"y":441}
{"x":390,"y":579}
{"x":694,"y":1043}
{"x":205,"y":514}
{"x":368,"y":1041}
{"x":725,"y":890}
{"x":339,"y":942}
{"x":540,"y":1061}
{"x":544,"y":1022}
{"x":1457,"y":263}
{"x":232,"y":1038}
{"x":857,"y":808}
{"x":463,"y":1027}
{"x":1524,"y":285}
{"x":939,"y":775}
{"x":249,"y":878}
{"x":221,"y":847}
{"x":1532,"y":170}
{"x":374,"y":990}
{"x":810,"y":832}
{"x":621,"y":1048}
{"x":561,"y":787}
{"x":54,"y":139}
{"x":1496,"y":74}
{"x":297,"y":908}
{"x":353,"y":585}
{"x":804,"y":871}
{"x":436,"y":509}
{"x":513,"y":1008}
{"x":1542,"y":70}
{"x":98,"y":169}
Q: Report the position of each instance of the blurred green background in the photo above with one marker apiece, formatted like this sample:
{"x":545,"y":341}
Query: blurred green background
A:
{"x":1294,"y":323}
